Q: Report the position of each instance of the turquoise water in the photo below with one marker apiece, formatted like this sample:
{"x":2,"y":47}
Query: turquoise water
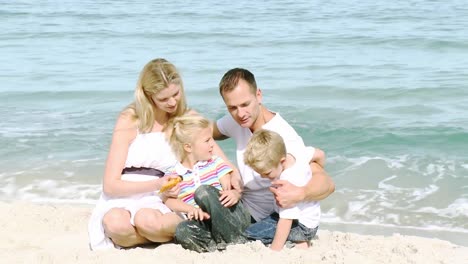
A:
{"x":380,"y":87}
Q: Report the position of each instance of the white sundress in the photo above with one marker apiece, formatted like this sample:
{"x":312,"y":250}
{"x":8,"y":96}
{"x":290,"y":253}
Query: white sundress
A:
{"x":149,"y":150}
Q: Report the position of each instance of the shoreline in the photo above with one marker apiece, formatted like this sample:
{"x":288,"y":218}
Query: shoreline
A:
{"x":57,"y":233}
{"x":454,"y":237}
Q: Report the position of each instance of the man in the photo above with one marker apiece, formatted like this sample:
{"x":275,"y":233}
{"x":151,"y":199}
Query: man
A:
{"x":247,"y":114}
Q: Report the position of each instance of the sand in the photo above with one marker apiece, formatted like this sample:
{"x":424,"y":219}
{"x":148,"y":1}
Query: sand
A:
{"x":57,"y":233}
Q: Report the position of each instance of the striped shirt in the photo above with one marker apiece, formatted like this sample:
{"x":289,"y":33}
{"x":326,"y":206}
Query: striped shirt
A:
{"x":203,"y":173}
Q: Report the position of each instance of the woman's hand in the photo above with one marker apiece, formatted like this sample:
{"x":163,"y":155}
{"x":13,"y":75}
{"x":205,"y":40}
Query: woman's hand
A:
{"x":197,"y":214}
{"x":172,"y":192}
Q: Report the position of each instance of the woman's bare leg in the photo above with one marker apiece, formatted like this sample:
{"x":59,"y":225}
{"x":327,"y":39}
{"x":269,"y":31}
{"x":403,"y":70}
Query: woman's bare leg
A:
{"x":117,"y":226}
{"x":155,"y":226}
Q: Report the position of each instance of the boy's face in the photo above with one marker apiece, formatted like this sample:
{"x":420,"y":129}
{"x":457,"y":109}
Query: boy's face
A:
{"x":203,"y":143}
{"x":273,"y":173}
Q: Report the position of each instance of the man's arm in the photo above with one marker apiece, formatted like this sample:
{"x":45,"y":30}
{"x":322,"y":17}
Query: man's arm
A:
{"x":236,"y":179}
{"x":217,"y":135}
{"x":318,"y":188}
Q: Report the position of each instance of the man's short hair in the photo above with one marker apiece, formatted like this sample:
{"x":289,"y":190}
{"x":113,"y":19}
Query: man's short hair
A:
{"x":231,"y":79}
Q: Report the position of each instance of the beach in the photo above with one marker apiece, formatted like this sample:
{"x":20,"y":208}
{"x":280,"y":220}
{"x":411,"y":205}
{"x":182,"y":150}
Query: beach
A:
{"x":380,"y":86}
{"x":57,"y":233}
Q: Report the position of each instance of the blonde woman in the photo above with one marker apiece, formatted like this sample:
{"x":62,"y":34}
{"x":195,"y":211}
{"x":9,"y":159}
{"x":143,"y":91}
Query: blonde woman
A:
{"x":129,"y":211}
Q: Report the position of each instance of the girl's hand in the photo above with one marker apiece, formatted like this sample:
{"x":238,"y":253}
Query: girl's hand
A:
{"x":197,"y":214}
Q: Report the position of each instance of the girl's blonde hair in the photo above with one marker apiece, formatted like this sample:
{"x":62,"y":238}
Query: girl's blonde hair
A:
{"x":184,"y":130}
{"x":264,"y":150}
{"x":155,"y":76}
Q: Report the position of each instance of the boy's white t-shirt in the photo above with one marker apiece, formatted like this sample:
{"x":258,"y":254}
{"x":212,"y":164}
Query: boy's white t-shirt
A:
{"x":308,"y":213}
{"x":256,"y":195}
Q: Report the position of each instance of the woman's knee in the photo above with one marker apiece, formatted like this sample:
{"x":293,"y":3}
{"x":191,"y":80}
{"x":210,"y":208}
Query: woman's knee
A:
{"x":117,"y":222}
{"x":149,"y":220}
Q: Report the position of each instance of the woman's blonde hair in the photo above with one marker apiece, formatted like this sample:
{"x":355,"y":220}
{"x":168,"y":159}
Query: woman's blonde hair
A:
{"x":184,"y":130}
{"x":264,"y":150}
{"x":156,"y":76}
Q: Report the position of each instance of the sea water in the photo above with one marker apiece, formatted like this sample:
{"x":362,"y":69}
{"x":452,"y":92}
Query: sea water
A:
{"x":381,"y":87}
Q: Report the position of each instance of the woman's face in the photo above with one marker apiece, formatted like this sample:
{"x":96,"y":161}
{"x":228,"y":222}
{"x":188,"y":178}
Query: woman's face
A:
{"x":167,"y":99}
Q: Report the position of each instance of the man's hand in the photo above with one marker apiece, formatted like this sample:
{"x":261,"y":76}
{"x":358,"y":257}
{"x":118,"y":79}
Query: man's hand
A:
{"x":287,"y":194}
{"x":229,"y":198}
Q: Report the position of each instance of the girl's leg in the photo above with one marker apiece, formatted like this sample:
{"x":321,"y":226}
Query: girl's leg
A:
{"x":263,"y":230}
{"x":195,"y":235}
{"x":227,"y":223}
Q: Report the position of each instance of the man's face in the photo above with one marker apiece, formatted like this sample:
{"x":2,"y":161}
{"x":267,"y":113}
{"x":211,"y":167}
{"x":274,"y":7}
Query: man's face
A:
{"x":243,"y":105}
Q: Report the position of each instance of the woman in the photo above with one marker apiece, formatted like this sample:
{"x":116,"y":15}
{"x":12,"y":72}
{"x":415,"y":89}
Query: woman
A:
{"x":130,"y":212}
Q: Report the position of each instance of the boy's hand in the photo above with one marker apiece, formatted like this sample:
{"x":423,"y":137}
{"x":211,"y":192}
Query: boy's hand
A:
{"x":229,"y":198}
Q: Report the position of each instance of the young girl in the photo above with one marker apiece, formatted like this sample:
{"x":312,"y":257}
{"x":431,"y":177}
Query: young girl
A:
{"x":211,"y":224}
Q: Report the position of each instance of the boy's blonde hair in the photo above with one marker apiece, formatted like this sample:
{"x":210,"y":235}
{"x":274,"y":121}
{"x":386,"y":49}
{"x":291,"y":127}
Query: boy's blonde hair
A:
{"x":184,"y":130}
{"x":264,"y":150}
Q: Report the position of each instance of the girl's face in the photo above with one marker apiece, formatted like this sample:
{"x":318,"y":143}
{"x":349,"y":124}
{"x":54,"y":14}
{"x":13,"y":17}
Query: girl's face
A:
{"x":167,"y":99}
{"x":202,"y":145}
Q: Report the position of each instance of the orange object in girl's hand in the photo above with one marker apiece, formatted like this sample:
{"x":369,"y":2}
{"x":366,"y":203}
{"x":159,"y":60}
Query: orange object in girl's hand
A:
{"x":170,"y":183}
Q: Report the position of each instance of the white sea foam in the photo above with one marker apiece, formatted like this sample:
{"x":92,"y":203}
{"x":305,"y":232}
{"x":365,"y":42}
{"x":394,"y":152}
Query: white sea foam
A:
{"x":459,"y":208}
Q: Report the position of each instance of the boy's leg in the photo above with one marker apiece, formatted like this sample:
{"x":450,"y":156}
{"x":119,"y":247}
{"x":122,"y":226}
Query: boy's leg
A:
{"x":227,"y":223}
{"x":263,"y":230}
{"x":301,"y":234}
{"x":302,"y":245}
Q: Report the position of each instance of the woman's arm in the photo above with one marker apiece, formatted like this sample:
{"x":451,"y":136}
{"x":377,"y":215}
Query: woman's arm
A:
{"x":124,"y":133}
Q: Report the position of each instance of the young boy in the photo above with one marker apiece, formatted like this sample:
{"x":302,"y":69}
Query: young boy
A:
{"x":266,"y":154}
